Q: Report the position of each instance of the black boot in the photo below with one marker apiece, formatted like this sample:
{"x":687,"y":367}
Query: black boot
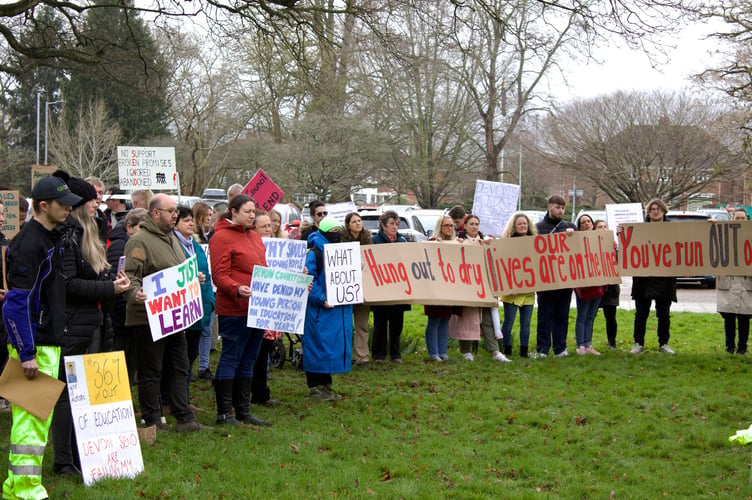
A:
{"x":507,"y":350}
{"x":223,"y":393}
{"x":523,"y":351}
{"x":241,"y":400}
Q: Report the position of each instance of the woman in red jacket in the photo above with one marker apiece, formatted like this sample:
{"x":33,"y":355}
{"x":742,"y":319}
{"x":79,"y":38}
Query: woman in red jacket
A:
{"x":235,"y":249}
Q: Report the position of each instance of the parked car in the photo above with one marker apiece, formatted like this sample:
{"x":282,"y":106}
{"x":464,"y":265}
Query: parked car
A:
{"x":214,"y":194}
{"x":684,"y":216}
{"x":410,"y":226}
{"x":715,"y":213}
{"x":594,"y":214}
{"x":428,"y":218}
{"x":290,"y":215}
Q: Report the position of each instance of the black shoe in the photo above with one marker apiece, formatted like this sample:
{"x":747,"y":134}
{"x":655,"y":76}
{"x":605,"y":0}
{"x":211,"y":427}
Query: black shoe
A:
{"x":730,"y":350}
{"x":69,"y":471}
{"x":205,"y":374}
{"x":251,"y":420}
{"x":742,"y":351}
{"x":227,"y":419}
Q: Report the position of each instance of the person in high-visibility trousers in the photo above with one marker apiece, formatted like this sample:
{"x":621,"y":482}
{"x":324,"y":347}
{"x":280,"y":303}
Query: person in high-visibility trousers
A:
{"x":34,"y":318}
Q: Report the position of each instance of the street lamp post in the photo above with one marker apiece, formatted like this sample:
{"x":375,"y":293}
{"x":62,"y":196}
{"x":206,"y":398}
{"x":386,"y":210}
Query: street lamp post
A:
{"x":39,"y":93}
{"x":46,"y":123}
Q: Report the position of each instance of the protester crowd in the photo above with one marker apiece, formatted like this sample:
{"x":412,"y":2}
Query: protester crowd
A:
{"x":66,"y":294}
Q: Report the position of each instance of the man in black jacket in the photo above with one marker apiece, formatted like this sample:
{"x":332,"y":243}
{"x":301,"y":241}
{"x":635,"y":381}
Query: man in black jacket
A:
{"x":34,"y":317}
{"x":553,"y":305}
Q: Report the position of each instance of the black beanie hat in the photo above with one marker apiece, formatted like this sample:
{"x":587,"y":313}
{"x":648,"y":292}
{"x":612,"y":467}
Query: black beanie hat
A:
{"x":78,"y":187}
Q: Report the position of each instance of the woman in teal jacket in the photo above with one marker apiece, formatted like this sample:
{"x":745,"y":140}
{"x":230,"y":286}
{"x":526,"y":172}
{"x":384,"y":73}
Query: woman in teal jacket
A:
{"x":327,"y":342}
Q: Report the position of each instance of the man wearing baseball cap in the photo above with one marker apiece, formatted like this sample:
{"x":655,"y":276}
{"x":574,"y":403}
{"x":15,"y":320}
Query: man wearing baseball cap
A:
{"x":34,"y":317}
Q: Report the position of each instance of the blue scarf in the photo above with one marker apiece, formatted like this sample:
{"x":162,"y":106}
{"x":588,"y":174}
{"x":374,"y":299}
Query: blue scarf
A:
{"x":186,"y":243}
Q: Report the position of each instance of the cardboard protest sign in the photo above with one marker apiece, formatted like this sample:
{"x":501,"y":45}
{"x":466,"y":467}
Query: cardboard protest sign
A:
{"x":147,"y":168}
{"x":284,"y":254}
{"x":263,"y":190}
{"x":340,"y":210}
{"x":551,"y":261}
{"x":37,"y":396}
{"x":39,"y":171}
{"x":343,"y":273}
{"x":103,"y":416}
{"x":278,"y":300}
{"x":12,"y":223}
{"x":173,"y":299}
{"x":426,"y":273}
{"x":686,"y":248}
{"x":494,"y":203}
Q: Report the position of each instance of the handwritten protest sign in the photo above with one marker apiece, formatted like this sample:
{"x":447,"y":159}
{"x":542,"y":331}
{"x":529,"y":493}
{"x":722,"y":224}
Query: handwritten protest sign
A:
{"x":12,"y":223}
{"x":426,"y":273}
{"x":263,"y":190}
{"x":340,"y":210}
{"x":173,"y":299}
{"x":103,"y":416}
{"x":343,"y":273}
{"x":552,"y":261}
{"x":494,"y":203}
{"x":284,"y":254}
{"x":39,"y":171}
{"x":278,"y":300}
{"x":686,"y":248}
{"x":146,"y":168}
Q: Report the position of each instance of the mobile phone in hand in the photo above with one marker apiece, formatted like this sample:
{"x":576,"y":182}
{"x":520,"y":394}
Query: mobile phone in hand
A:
{"x":121,"y":264}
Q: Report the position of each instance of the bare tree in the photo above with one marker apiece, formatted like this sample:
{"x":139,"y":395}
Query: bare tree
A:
{"x":88,"y":147}
{"x":636,"y":146}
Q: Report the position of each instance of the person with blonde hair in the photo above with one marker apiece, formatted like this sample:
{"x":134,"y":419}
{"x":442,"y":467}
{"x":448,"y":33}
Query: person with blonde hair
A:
{"x":518,"y":225}
{"x":437,"y":323}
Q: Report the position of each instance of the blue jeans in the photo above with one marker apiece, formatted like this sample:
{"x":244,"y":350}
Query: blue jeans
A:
{"x":204,"y":345}
{"x":437,"y":336}
{"x":510,"y":313}
{"x":583,"y":326}
{"x":240,"y":348}
{"x":553,"y":320}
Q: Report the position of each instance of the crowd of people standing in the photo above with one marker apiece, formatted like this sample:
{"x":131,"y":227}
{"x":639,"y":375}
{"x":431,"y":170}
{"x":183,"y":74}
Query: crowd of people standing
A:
{"x":66,"y":294}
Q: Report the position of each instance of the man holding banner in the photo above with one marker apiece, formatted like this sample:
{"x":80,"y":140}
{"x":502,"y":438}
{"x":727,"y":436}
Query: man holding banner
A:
{"x":153,"y":249}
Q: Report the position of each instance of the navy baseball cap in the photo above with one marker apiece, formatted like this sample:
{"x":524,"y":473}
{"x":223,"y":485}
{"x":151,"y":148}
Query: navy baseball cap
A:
{"x":54,"y":188}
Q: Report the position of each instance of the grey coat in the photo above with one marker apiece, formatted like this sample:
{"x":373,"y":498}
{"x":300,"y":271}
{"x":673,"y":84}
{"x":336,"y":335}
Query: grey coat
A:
{"x":734,"y":294}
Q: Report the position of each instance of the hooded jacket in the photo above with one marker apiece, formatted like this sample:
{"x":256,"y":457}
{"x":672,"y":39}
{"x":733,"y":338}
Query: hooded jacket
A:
{"x":327,"y":342}
{"x":234,"y":252}
{"x":148,"y":251}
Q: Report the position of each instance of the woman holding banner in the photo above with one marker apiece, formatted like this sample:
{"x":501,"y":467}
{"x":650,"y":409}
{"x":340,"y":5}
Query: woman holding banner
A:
{"x":588,"y":299}
{"x":235,"y":249}
{"x":437,"y":324}
{"x":518,"y":225}
{"x":490,"y":327}
{"x":354,"y":232}
{"x":735,"y":303}
{"x":327,"y":343}
{"x":89,"y":291}
{"x":388,"y":318}
{"x":610,"y":300}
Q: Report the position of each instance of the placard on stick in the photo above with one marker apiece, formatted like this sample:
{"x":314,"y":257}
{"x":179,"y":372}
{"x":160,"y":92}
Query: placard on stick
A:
{"x":173,"y":299}
{"x":147,"y":168}
{"x":103,"y":416}
{"x":263,"y":190}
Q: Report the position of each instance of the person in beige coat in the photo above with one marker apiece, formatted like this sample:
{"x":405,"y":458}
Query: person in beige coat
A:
{"x":734,"y":295}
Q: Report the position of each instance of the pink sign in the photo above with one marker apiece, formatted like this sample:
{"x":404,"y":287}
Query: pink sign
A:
{"x":264,"y":192}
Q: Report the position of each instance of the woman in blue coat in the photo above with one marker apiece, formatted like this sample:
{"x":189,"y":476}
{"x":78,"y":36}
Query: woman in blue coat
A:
{"x":327,"y":342}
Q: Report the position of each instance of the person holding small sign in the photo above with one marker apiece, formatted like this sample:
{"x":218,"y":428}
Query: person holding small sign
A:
{"x":734,"y":295}
{"x":646,"y":289}
{"x":354,"y":232}
{"x":327,"y":342}
{"x":235,"y":249}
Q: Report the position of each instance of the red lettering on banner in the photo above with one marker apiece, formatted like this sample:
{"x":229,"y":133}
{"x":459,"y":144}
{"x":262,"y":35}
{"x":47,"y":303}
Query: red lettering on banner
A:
{"x":386,"y":274}
{"x":448,"y":275}
{"x":551,"y":243}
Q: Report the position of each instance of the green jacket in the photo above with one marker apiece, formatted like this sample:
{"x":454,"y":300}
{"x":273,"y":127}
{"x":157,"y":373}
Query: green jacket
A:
{"x":148,"y":251}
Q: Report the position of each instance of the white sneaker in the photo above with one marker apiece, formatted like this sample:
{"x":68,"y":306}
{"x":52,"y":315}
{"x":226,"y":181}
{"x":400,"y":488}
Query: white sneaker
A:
{"x":637,"y":349}
{"x":500,"y":357}
{"x":582,"y":350}
{"x":469,"y":356}
{"x":537,"y":355}
{"x":562,"y":354}
{"x":436,"y":358}
{"x":665,"y":348}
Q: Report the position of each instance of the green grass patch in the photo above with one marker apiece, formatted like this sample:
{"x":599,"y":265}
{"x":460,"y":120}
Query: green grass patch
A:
{"x":587,"y":427}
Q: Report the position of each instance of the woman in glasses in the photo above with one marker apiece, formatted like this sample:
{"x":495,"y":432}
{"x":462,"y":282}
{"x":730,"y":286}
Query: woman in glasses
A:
{"x":437,"y":325}
{"x":318,"y":211}
{"x":354,"y":232}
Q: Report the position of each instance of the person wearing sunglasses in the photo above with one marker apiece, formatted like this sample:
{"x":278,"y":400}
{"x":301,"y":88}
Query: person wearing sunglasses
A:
{"x":318,"y":211}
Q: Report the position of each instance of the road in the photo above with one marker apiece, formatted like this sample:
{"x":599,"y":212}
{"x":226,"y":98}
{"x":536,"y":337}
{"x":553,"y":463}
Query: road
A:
{"x":691,"y":298}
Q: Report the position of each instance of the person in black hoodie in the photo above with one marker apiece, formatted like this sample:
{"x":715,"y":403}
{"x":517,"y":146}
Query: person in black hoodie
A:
{"x":89,"y":291}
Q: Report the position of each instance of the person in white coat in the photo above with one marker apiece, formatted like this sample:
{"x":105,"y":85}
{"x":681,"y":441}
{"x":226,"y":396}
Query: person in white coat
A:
{"x":734,"y":296}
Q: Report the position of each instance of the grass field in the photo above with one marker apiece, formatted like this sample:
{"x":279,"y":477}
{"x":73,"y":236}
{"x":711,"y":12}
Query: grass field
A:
{"x":586,"y":427}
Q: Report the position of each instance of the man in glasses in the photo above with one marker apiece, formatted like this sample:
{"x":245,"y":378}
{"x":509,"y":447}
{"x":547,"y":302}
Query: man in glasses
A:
{"x":318,"y":212}
{"x":150,"y":250}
